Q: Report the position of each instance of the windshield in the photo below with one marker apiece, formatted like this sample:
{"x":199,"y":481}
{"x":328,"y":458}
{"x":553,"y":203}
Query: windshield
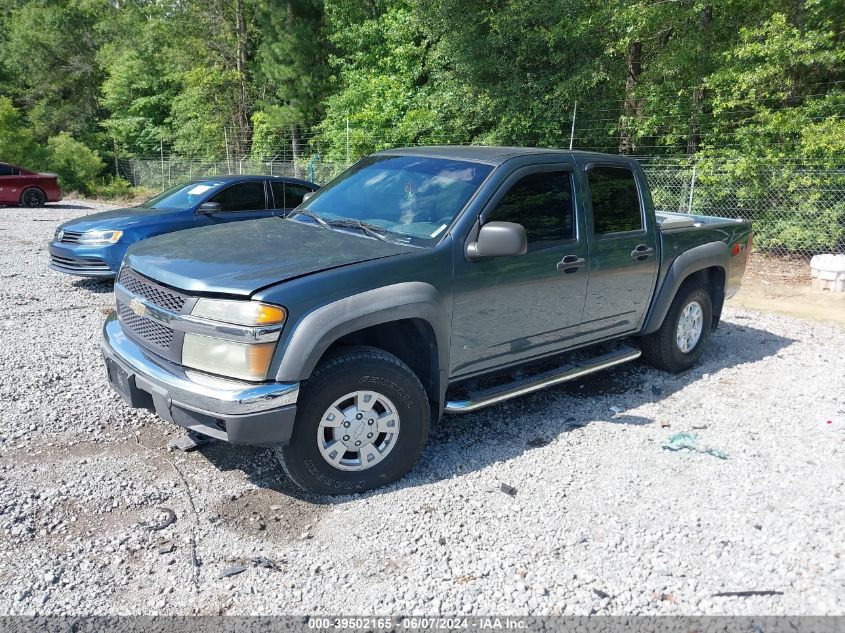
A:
{"x":184,"y":195}
{"x":415,"y":198}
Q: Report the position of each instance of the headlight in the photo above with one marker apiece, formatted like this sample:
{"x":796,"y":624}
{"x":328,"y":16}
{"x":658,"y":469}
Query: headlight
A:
{"x":99,"y":237}
{"x":216,"y":356}
{"x":239,"y":312}
{"x":247,"y":361}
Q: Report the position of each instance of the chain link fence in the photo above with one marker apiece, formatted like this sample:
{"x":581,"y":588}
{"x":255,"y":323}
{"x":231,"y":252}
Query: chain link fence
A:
{"x":161,"y":174}
{"x":797,"y":210}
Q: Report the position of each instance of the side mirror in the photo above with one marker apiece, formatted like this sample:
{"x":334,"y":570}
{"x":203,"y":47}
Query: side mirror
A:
{"x":307,"y":195}
{"x":498,"y":239}
{"x":209,"y":207}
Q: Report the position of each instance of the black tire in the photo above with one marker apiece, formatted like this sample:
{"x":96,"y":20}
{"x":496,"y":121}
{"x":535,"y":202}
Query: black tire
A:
{"x":358,"y":369}
{"x":661,"y":349}
{"x":32,"y":198}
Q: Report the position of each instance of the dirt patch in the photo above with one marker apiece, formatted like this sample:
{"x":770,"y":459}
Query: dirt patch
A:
{"x":782,"y":285}
{"x":790,"y":271}
{"x":270,"y":514}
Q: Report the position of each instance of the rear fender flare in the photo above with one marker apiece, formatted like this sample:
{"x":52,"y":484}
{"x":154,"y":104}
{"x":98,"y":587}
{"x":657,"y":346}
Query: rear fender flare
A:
{"x":714,"y":254}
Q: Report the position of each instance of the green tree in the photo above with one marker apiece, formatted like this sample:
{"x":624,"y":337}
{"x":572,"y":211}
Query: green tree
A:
{"x":17,"y":144}
{"x":50,"y":57}
{"x":292,"y":67}
{"x":207,"y":103}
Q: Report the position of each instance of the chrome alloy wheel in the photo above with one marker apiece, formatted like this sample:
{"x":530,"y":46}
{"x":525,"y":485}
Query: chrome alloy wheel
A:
{"x":358,"y":430}
{"x":690,"y":326}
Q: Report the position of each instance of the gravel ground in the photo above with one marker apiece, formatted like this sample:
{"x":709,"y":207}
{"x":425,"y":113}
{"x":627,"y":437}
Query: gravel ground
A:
{"x":603,"y":519}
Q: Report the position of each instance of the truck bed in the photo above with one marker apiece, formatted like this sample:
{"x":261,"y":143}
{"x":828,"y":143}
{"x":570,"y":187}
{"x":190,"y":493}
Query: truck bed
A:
{"x":680,"y":232}
{"x":670,"y":220}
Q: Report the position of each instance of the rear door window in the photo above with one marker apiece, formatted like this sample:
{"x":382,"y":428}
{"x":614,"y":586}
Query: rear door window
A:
{"x":615,"y":200}
{"x":294,"y":194}
{"x":288,"y":195}
{"x":8,"y":170}
{"x":278,"y":194}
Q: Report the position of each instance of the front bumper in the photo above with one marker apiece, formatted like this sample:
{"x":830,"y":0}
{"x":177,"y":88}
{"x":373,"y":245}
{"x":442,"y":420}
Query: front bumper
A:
{"x":258,"y":414}
{"x":86,"y":261}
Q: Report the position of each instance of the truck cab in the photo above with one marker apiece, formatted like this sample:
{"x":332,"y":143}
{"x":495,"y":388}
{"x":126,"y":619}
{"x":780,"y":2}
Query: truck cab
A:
{"x":421,"y":281}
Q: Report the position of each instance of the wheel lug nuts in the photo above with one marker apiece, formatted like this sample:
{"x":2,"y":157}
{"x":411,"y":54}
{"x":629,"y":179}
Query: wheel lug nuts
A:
{"x":358,"y":443}
{"x":359,"y":416}
{"x":370,"y":422}
{"x":369,"y":435}
{"x":345,"y":438}
{"x":346,"y":425}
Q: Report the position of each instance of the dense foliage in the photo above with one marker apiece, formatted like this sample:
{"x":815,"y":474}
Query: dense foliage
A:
{"x":739,"y":79}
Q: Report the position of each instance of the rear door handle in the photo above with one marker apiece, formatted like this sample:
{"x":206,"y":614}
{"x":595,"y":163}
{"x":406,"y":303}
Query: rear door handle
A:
{"x":642,"y":252}
{"x":570,"y":264}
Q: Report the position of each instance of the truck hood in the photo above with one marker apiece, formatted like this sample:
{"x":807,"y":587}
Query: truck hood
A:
{"x":121,"y":219}
{"x":243,"y":257}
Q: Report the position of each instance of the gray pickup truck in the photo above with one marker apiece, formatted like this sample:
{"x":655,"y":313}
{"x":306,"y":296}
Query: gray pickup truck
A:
{"x":420,"y":281}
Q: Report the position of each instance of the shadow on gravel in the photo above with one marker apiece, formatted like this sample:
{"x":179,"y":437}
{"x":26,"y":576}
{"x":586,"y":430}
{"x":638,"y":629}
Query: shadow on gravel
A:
{"x":464,"y":443}
{"x":63,"y":205}
{"x":260,"y":467}
{"x":99,"y":286}
{"x":50,"y":206}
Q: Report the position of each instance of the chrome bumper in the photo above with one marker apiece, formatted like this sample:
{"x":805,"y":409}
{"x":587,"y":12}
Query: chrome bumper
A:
{"x":260,"y":414}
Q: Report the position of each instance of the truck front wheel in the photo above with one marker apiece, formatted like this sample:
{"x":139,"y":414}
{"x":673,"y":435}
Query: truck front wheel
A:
{"x":362,"y":421}
{"x":680,"y":341}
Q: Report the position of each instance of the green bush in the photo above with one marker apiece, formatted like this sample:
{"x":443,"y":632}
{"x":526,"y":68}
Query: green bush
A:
{"x":806,"y":228}
{"x":114,"y":187}
{"x":77,"y":166}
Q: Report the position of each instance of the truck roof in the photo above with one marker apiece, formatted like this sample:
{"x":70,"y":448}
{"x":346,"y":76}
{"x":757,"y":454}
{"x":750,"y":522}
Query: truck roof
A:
{"x":492,"y":154}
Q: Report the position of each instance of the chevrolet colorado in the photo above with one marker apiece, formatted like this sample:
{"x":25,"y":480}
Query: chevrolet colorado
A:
{"x":420,"y":281}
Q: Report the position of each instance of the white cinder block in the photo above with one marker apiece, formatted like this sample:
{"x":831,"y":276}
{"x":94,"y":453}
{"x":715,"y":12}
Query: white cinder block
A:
{"x":828,"y":272}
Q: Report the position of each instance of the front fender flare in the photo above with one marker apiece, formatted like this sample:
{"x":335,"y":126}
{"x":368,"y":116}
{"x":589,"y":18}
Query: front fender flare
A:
{"x":315,"y":333}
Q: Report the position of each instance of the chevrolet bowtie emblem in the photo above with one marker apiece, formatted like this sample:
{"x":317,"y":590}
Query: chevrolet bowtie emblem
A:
{"x":137,"y":306}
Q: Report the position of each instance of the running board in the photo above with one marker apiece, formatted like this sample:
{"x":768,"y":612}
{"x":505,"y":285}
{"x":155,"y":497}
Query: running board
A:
{"x":500,"y":393}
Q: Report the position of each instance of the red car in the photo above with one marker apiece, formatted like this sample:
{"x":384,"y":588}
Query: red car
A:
{"x":19,"y":186}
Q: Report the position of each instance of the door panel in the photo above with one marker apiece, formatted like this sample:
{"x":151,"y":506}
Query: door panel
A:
{"x":10,"y":184}
{"x":514,"y":308}
{"x":241,"y":201}
{"x":623,"y":261}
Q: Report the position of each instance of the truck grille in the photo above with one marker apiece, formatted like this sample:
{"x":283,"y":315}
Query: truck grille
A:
{"x":158,"y":337}
{"x":146,"y":329}
{"x":162,"y":297}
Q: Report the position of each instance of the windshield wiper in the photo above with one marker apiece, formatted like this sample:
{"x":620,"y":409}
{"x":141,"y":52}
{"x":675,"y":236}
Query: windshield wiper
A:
{"x":314,"y":216}
{"x":370,"y":229}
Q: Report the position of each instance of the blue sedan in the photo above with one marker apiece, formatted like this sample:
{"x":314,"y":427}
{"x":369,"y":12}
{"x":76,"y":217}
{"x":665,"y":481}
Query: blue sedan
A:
{"x":94,"y":245}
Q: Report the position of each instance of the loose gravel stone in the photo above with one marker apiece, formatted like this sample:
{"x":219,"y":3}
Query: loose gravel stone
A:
{"x":605,"y":520}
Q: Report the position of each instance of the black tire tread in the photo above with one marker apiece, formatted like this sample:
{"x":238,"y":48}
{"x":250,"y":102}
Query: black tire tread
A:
{"x":40,"y":192}
{"x":658,"y":348}
{"x":353,"y":355}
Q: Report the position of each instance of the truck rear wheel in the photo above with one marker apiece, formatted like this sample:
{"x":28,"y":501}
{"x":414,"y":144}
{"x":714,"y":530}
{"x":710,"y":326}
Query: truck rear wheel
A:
{"x":361,"y":423}
{"x":680,"y":341}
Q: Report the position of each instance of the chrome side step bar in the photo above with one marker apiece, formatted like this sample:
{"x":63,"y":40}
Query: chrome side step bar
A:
{"x":494,"y":395}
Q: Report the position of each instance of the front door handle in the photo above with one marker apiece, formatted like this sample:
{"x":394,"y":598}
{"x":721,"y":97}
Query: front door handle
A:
{"x":642,"y":252}
{"x":570,"y":264}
